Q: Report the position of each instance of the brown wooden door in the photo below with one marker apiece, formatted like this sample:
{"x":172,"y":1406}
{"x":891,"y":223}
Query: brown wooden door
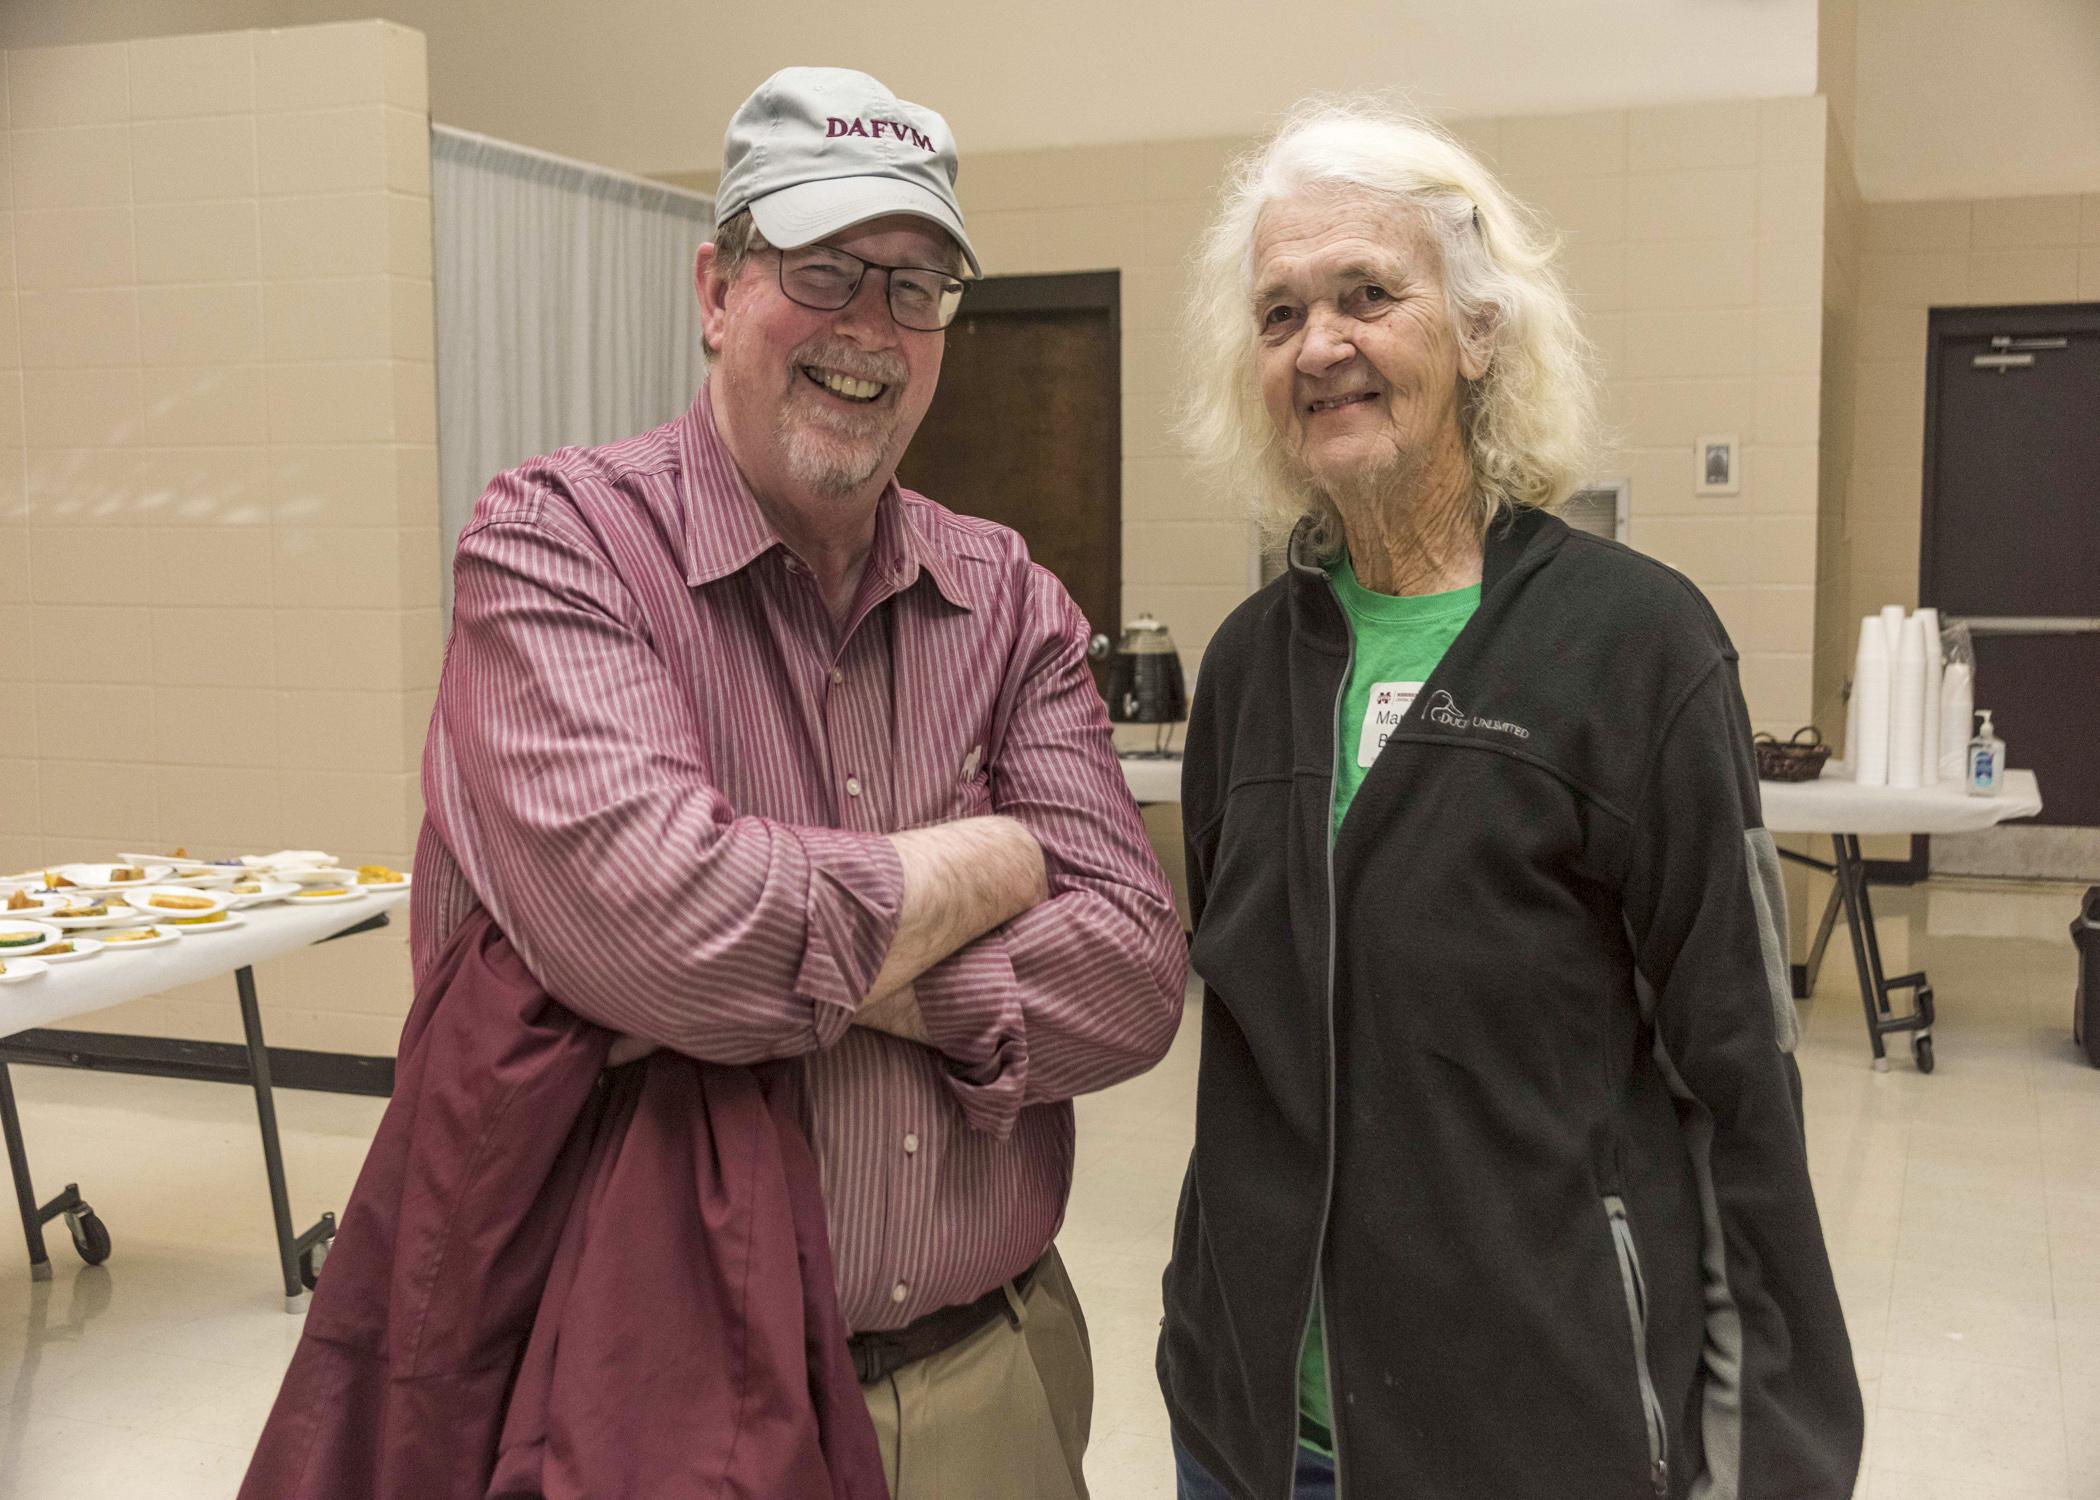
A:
{"x":1026,"y":428}
{"x":2012,"y":531}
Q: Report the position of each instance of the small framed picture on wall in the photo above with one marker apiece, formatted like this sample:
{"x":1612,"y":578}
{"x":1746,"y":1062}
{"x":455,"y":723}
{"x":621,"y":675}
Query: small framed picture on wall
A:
{"x":1719,"y":461}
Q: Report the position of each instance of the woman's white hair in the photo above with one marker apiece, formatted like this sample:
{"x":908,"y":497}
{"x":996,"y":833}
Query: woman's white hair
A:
{"x":1529,"y":419}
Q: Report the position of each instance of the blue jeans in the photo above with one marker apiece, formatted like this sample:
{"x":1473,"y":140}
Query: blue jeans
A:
{"x":1315,"y":1479}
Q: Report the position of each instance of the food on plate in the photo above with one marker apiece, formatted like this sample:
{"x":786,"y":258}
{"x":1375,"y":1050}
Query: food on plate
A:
{"x":121,"y":874}
{"x":379,"y":875}
{"x":246,"y":887}
{"x":20,"y":939}
{"x":57,"y":882}
{"x":170,"y":901}
{"x":214,"y":916}
{"x":79,"y":910}
{"x":19,"y":901}
{"x":324,"y":890}
{"x":132,"y":935}
{"x":56,"y":950}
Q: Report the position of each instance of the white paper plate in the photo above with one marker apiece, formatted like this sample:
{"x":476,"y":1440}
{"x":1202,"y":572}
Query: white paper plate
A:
{"x":97,"y":877}
{"x":289,"y":859}
{"x":302,"y":899}
{"x":119,"y":916}
{"x":272,"y":890}
{"x":44,"y":901}
{"x":143,"y":901}
{"x":20,"y":970}
{"x":185,"y":868}
{"x":46,"y":932}
{"x":164,"y":937}
{"x":82,"y":948}
{"x":380,"y":888}
{"x":324,"y":875}
{"x":226,"y":923}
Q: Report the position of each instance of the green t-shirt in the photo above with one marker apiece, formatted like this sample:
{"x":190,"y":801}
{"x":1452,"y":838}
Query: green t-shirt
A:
{"x":1399,"y":642}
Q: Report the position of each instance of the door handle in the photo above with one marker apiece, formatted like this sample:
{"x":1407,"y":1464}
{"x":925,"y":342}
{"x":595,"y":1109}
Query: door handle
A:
{"x":2028,"y":624}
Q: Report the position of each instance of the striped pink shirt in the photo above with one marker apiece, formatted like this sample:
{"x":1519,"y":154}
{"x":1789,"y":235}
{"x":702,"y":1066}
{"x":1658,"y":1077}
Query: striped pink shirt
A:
{"x":668,"y":778}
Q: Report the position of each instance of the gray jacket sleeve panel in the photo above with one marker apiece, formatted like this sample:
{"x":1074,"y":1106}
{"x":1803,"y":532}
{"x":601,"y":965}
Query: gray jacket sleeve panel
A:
{"x":1768,"y":896}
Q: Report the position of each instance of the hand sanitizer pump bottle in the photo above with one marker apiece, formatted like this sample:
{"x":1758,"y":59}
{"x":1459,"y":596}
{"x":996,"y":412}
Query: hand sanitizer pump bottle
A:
{"x":1986,"y":760}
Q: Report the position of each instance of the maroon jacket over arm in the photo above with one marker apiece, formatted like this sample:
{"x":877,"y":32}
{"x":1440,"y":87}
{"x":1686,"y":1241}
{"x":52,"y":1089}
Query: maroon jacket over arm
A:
{"x":556,"y":1281}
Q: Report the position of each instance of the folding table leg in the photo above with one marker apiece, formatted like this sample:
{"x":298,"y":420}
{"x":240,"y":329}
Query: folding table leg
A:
{"x":25,"y":1194}
{"x":1875,"y":987}
{"x":90,"y":1237}
{"x":1824,"y":928}
{"x":1859,"y":922}
{"x":298,"y":1254}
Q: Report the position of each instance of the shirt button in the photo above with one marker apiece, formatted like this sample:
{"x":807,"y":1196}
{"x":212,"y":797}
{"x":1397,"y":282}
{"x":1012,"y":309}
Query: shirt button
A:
{"x":911,"y":1144}
{"x":897,"y":1292}
{"x":837,"y":676}
{"x":853,"y":786}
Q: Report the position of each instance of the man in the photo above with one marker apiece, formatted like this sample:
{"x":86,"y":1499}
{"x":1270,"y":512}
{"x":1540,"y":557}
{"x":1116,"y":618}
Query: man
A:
{"x":753,"y":754}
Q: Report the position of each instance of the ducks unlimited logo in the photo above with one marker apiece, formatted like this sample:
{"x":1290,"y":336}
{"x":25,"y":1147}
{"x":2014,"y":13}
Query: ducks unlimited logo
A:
{"x":1442,"y":710}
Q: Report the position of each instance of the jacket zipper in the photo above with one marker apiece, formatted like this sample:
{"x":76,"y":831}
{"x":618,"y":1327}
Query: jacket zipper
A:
{"x":1327,"y":1191}
{"x":1636,"y":1289}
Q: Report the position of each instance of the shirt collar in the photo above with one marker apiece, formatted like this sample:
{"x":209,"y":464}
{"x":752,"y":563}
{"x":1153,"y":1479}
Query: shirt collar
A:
{"x":726,"y":532}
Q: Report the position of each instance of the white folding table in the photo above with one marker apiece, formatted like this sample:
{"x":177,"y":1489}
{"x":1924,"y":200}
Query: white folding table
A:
{"x":117,"y":975}
{"x":1833,"y":805}
{"x":1838,"y":807}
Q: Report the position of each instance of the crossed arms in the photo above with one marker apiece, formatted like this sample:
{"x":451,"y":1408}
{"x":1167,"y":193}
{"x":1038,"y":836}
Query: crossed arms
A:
{"x":1037,"y":951}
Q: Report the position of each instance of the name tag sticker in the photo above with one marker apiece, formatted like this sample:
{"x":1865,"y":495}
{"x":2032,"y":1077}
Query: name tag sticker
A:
{"x":1389,"y":700}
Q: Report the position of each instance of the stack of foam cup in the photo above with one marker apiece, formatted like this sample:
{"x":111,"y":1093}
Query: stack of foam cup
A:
{"x":1929,"y":761}
{"x":1892,"y":618}
{"x":1868,"y":749}
{"x":1907,"y":708}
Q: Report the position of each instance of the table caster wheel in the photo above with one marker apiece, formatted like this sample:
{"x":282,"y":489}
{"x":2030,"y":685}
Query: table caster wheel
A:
{"x":90,"y":1235}
{"x":311,"y":1259}
{"x":1921,"y":1052}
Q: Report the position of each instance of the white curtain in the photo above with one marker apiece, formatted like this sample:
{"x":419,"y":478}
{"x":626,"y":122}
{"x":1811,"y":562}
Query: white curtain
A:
{"x":565,"y":309}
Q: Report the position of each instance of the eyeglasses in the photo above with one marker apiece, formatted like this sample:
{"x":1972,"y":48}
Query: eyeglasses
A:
{"x":827,"y":279}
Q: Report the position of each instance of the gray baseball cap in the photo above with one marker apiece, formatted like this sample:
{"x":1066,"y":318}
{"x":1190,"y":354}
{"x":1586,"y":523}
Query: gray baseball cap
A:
{"x":817,"y":150}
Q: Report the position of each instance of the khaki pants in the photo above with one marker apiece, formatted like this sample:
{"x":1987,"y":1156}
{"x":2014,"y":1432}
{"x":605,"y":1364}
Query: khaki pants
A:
{"x":1004,"y":1414}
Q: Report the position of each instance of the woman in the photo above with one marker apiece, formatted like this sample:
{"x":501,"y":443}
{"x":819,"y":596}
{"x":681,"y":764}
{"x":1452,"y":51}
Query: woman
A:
{"x":1498,"y":1190}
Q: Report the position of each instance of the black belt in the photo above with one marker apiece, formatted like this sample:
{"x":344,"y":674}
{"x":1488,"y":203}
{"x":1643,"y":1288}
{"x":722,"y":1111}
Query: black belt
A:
{"x":876,"y":1355}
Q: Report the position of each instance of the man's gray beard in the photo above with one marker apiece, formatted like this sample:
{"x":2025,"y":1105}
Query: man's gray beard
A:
{"x":830,"y":463}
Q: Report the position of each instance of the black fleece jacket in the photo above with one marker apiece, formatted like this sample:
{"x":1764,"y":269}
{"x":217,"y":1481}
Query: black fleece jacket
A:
{"x":1500,"y":1069}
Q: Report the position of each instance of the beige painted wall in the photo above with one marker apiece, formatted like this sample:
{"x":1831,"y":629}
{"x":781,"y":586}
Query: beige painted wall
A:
{"x":646,"y":85}
{"x":1837,"y":64}
{"x":1964,"y":99}
{"x":218,"y":509}
{"x":1842,"y":213}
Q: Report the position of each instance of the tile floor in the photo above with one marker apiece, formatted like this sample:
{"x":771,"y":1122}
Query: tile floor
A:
{"x":1963,"y":1213}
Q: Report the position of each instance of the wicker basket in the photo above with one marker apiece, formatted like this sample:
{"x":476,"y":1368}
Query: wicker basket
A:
{"x":1796,"y":760}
